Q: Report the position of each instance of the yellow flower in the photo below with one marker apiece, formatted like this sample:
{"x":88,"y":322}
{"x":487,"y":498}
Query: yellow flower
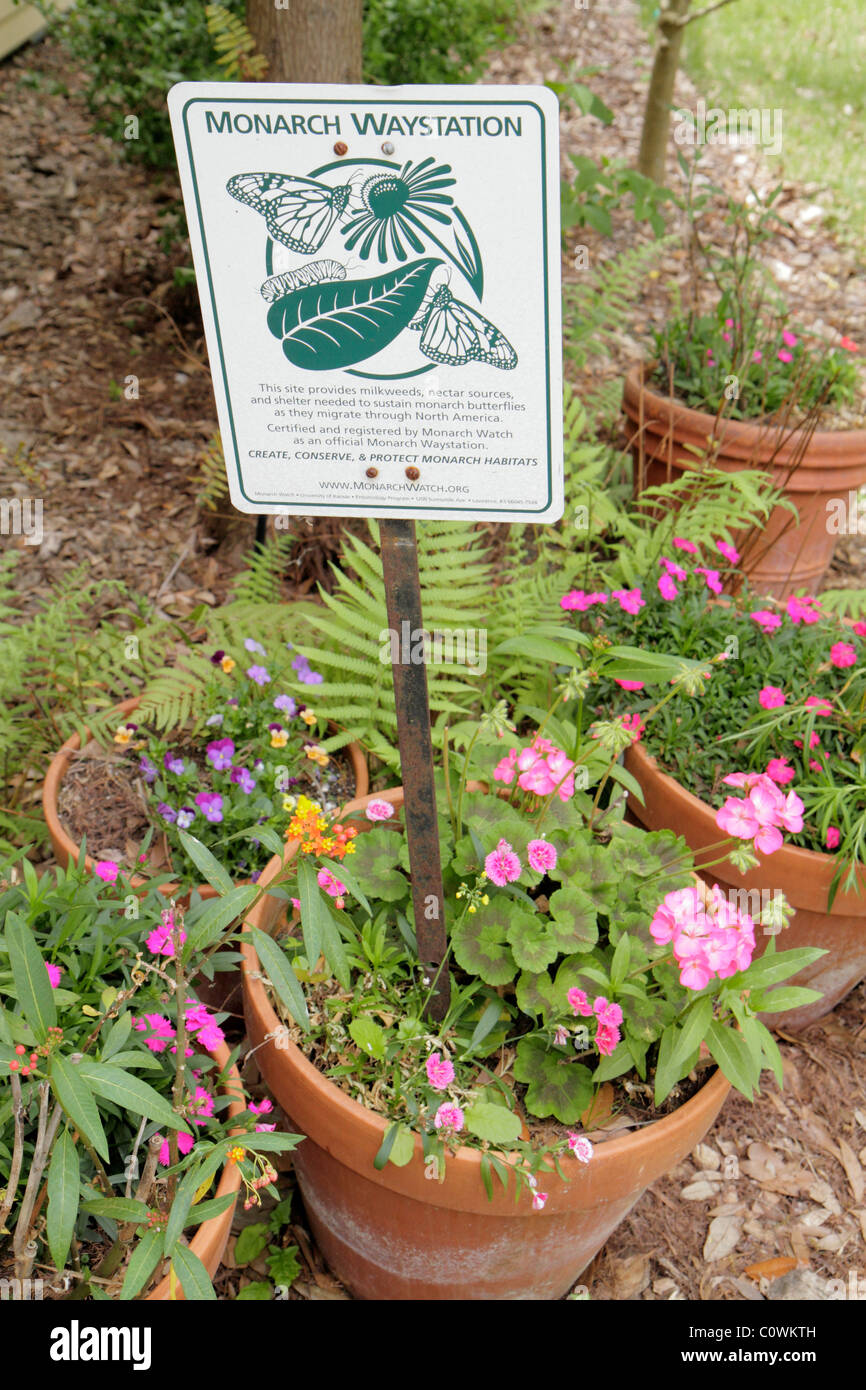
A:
{"x":308,"y":717}
{"x":471,"y":909}
{"x":485,"y":899}
{"x":349,"y":847}
{"x":279,"y":738}
{"x":124,"y":734}
{"x":317,"y":755}
{"x":228,"y":664}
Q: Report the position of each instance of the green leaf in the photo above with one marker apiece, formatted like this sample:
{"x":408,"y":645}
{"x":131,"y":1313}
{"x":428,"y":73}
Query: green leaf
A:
{"x":774,"y":1001}
{"x":284,"y":1266}
{"x":251,"y":1242}
{"x":144,"y":1259}
{"x":116,"y":1036}
{"x":557,"y":1086}
{"x":531,"y":942}
{"x":193,"y":1180}
{"x":117,"y":1208}
{"x":485,"y":1025}
{"x":62,"y":1191}
{"x":621,"y":961}
{"x":344,"y":875}
{"x":206,"y":925}
{"x":574,"y":926}
{"x":193,"y":1276}
{"x":130,"y":1093}
{"x":259,"y":1291}
{"x":693,"y":1031}
{"x":667,"y":1072}
{"x":374,"y":864}
{"x":78,"y":1102}
{"x":386,"y":1146}
{"x":31,"y":977}
{"x":776,"y":966}
{"x":539,"y":648}
{"x":277,"y":967}
{"x":535,"y":994}
{"x":730,"y":1049}
{"x":403,"y":1148}
{"x":312,"y":912}
{"x":210,"y":869}
{"x":368,"y":1036}
{"x":480,"y":944}
{"x":334,"y":950}
{"x":331,"y":325}
{"x":494,"y":1123}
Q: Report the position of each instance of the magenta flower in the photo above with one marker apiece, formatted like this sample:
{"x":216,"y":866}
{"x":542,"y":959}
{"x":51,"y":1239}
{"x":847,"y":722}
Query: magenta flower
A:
{"x":804,"y":610}
{"x":210,"y":804}
{"x":161,"y":939}
{"x":449,"y":1117}
{"x":606,"y":1012}
{"x":580,"y":1146}
{"x":688,"y":546}
{"x":541,"y":856}
{"x":577,"y":600}
{"x":629,"y":600}
{"x":673,"y":569}
{"x":606,"y":1038}
{"x":771,"y":697}
{"x":184,"y":1144}
{"x":780,"y":770}
{"x":843,"y":654}
{"x":634,"y":725}
{"x":789,"y":339}
{"x":440,"y":1071}
{"x":502,"y":865}
{"x":210,"y":1037}
{"x":767,"y":621}
{"x":539,"y":1200}
{"x":107,"y":870}
{"x":757,"y":355}
{"x":243,"y":778}
{"x":785,"y":356}
{"x":332,"y":886}
{"x":54,"y":974}
{"x":819,"y":704}
{"x":667,"y":587}
{"x":172,"y":763}
{"x":220,"y":753}
{"x":264,"y":1107}
{"x":168,"y":813}
{"x":379,"y":810}
{"x":860,"y":629}
{"x":832,"y":837}
{"x":712,"y":579}
{"x":161,"y":1031}
{"x":579,"y":1002}
{"x":258,"y":674}
{"x":630,"y":685}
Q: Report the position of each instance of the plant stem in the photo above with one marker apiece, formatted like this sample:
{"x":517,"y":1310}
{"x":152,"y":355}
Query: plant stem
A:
{"x":17,"y":1150}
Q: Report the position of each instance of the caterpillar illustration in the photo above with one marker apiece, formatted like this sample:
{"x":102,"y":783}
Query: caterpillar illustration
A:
{"x":277,"y":285}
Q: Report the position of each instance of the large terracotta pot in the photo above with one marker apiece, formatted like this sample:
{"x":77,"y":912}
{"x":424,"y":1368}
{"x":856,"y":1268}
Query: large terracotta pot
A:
{"x":223,"y":992}
{"x":65,"y":849}
{"x":789,"y":554}
{"x":211,"y":1237}
{"x":803,"y":876}
{"x":394,"y":1234}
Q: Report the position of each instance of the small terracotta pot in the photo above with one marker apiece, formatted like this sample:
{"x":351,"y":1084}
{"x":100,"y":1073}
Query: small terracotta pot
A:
{"x":211,"y":1237}
{"x":65,"y":849}
{"x":803,"y":876}
{"x":394,"y":1235}
{"x":790,"y":555}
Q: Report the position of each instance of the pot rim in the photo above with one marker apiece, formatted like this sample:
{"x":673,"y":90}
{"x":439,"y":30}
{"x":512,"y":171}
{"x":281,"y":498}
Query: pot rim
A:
{"x":819,"y":868}
{"x":466,"y":1190}
{"x":736,"y":431}
{"x":57,"y":769}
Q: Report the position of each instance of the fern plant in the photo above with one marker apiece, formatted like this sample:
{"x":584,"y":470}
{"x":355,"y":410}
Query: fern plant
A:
{"x":210,"y":481}
{"x":235,"y":45}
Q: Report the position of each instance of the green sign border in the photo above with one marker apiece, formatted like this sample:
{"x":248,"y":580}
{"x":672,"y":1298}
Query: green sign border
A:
{"x":375,"y":508}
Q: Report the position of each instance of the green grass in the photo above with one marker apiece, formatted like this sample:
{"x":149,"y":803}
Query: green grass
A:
{"x":808,"y":58}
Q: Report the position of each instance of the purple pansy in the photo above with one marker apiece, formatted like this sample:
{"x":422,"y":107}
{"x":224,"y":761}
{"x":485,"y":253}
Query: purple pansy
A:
{"x":147,"y":769}
{"x":243,"y":778}
{"x":172,"y":763}
{"x":258,"y":674}
{"x":214,"y":719}
{"x":220,"y":754}
{"x":185,"y":817}
{"x":285,"y":704}
{"x":305,"y":675}
{"x":210,"y":804}
{"x":167,"y":812}
{"x":253,"y":646}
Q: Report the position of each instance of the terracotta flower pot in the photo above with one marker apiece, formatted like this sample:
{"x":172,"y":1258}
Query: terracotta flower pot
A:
{"x":211,"y":1237}
{"x":395,"y":1234}
{"x":790,"y":555}
{"x":803,"y":876}
{"x":65,"y":849}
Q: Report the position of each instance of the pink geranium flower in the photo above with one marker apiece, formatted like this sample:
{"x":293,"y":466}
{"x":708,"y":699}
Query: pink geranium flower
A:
{"x":440,"y":1071}
{"x":502,"y":865}
{"x":767,"y":621}
{"x":449,"y":1117}
{"x":379,"y":810}
{"x":771,"y":697}
{"x":738,"y":818}
{"x":541,"y":856}
{"x":843,"y":654}
{"x":580,"y":1146}
{"x":629,"y":600}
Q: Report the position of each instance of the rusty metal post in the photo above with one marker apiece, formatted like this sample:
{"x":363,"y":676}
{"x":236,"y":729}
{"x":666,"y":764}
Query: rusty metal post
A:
{"x":403,"y":596}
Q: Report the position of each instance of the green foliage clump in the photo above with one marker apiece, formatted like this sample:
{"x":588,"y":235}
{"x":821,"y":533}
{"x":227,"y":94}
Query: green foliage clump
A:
{"x":431,"y":40}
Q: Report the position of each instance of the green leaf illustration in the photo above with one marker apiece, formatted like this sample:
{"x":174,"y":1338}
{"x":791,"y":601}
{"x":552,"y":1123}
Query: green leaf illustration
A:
{"x":335,"y":324}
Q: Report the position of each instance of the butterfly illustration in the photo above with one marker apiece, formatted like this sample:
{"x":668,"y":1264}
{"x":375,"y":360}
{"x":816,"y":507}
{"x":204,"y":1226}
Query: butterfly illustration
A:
{"x":313,"y":274}
{"x":299,"y":212}
{"x":454,"y":334}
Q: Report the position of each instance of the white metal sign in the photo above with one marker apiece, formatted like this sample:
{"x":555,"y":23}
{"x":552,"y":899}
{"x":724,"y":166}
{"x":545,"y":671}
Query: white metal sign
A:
{"x":379,"y":277}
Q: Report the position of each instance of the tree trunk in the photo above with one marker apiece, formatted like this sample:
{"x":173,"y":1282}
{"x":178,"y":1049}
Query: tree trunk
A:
{"x":657,"y":115}
{"x":308,"y":40}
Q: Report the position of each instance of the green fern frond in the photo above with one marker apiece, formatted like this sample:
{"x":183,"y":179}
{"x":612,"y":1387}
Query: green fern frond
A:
{"x":210,"y":480}
{"x":234,"y":43}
